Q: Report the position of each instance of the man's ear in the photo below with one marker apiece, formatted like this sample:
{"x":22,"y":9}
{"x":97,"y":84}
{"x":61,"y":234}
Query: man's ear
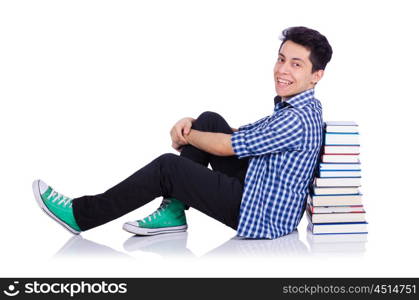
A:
{"x":316,"y":76}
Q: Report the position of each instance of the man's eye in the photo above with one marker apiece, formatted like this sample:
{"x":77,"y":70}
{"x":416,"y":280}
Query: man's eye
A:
{"x":280,"y":59}
{"x":297,"y":65}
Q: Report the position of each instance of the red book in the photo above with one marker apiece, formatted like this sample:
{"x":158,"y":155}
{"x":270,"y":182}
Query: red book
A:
{"x":335,"y":209}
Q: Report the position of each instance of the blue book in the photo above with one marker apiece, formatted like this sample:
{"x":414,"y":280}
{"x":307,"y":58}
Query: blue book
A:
{"x":338,"y":228}
{"x":339,"y":173}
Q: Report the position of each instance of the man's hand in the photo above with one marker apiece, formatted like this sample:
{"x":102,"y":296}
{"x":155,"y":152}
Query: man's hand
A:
{"x":182,"y":127}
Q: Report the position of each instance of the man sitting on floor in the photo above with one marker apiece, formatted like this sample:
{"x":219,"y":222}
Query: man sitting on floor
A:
{"x":260,"y":173}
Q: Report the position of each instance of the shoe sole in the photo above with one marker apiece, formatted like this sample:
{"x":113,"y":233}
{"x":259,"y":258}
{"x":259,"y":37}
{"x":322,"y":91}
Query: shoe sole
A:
{"x":37,"y":193}
{"x":153,"y":231}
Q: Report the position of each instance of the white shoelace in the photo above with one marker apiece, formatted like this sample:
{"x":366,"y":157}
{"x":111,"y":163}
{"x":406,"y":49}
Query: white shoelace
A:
{"x":162,"y":207}
{"x":63,"y":200}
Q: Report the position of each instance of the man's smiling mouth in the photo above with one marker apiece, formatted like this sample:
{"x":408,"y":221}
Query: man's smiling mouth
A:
{"x":283,"y":82}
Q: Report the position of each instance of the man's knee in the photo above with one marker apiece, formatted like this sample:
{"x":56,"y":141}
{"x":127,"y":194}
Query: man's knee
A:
{"x":167,"y":158}
{"x":210,"y":121}
{"x":171,"y":166}
{"x":209,"y":116}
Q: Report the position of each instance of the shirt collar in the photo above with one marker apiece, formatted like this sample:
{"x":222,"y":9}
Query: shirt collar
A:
{"x":299,"y":100}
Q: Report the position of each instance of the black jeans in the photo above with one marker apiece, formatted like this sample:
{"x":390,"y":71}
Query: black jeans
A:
{"x":216,"y":192}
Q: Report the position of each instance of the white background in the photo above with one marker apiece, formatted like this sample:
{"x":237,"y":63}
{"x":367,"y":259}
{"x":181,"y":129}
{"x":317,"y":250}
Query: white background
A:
{"x":90,"y":89}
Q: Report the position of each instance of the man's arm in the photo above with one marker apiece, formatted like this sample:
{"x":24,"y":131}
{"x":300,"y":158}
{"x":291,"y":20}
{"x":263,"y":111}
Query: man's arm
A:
{"x":212,"y":142}
{"x":279,"y":135}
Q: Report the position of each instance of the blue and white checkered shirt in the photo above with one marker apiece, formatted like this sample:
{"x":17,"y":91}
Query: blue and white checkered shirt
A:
{"x":283,"y":150}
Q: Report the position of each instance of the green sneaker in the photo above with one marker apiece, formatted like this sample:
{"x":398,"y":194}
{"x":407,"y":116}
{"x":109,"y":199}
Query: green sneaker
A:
{"x":55,"y":205}
{"x":169,"y":217}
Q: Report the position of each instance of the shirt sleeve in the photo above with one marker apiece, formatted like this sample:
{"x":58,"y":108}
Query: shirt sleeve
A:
{"x":252,"y":125}
{"x":284,"y":133}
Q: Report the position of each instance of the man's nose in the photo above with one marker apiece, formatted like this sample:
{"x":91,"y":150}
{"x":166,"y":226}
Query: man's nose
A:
{"x":283,"y":68}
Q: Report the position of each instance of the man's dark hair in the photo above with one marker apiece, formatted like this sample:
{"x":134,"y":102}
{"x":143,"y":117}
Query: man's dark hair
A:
{"x":320,"y":49}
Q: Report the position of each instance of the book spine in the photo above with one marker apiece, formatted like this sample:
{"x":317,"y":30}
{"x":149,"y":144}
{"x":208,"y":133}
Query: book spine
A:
{"x":337,"y":209}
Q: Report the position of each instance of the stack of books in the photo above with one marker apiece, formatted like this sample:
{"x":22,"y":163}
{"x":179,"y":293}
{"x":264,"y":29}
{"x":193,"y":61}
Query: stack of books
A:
{"x":334,"y":205}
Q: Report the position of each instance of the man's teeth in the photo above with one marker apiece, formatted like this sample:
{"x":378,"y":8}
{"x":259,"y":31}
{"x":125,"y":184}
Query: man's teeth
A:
{"x":284,"y":81}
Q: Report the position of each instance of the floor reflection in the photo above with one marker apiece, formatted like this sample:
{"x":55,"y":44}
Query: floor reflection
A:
{"x":79,"y":247}
{"x":175,"y":245}
{"x":337,"y":244}
{"x":288,"y":245}
{"x":164,"y":245}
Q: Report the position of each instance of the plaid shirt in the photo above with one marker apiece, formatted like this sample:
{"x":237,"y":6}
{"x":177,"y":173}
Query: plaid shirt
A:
{"x":283,"y":150}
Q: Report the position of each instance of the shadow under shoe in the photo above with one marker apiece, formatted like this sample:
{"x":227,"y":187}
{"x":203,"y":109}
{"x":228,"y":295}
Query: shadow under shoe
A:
{"x":165,"y":245}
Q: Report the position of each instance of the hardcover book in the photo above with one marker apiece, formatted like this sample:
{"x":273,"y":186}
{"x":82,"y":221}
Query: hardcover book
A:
{"x":340,"y":158}
{"x":341,"y":126}
{"x":335,"y":217}
{"x":335,"y":190}
{"x":341,"y":166}
{"x":341,"y":182}
{"x":339,"y":173}
{"x":341,"y":149}
{"x":333,"y":138}
{"x":338,"y":228}
{"x":335,"y":200}
{"x":335,"y":209}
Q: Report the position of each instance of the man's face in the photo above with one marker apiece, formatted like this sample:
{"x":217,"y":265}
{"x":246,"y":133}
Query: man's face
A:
{"x":292,"y":72}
